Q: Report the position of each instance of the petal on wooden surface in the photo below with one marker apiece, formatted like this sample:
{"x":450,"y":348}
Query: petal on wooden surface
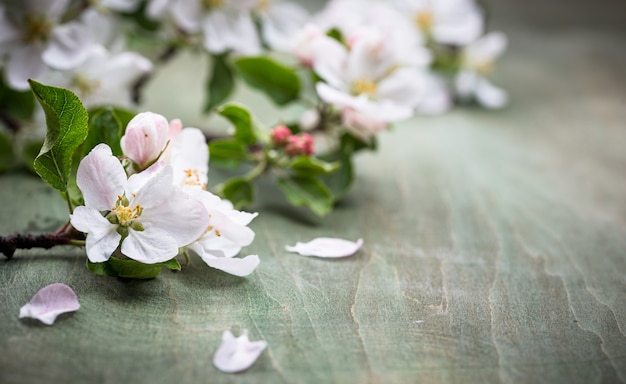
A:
{"x":236,"y":354}
{"x":327,"y":247}
{"x":49,"y":302}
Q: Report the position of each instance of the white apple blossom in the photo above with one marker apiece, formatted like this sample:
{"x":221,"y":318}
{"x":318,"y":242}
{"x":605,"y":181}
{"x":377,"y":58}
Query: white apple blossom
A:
{"x":354,"y":18}
{"x":224,"y":24}
{"x":227,"y":231}
{"x":150,"y":216}
{"x":226,"y":234}
{"x":32,"y":38}
{"x":477,"y":61}
{"x":116,"y":5}
{"x":104,"y":78}
{"x":188,"y":154}
{"x":456,"y":22}
{"x":368,"y":79}
{"x":280,"y":20}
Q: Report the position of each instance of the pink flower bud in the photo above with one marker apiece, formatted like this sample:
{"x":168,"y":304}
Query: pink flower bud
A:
{"x":307,"y":144}
{"x":299,"y":145}
{"x":280,"y":135}
{"x":145,"y":138}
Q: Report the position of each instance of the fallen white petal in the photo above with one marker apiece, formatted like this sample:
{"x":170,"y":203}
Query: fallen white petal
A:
{"x":326,"y":247}
{"x":236,"y":354}
{"x":49,"y":302}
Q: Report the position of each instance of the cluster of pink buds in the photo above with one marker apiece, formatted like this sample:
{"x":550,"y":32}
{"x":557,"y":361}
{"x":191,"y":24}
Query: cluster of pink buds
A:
{"x":294,"y":145}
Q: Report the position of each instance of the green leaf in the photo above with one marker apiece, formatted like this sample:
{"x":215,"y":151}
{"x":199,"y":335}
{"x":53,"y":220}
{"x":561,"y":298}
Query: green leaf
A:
{"x":335,"y":33}
{"x":307,"y":191}
{"x":172,"y":264}
{"x":105,"y":126}
{"x":239,"y":191}
{"x":132,"y":269}
{"x":7,"y":156}
{"x":101,"y":269}
{"x":18,"y":104}
{"x":220,"y":84}
{"x":66,"y":119}
{"x":350,"y":144}
{"x":340,"y":181}
{"x":227,"y":152}
{"x":309,"y":165}
{"x":30,"y":151}
{"x":241,"y":119}
{"x":279,"y":82}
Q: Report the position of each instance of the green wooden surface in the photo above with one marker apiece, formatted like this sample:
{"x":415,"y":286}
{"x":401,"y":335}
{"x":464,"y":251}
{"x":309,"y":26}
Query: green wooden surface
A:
{"x":495,"y":249}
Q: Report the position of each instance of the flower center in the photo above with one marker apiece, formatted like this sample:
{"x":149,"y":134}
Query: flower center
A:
{"x":192,"y":178}
{"x":36,"y":28}
{"x":84,"y":85}
{"x":424,"y":20}
{"x":211,"y":4}
{"x":365,"y":86}
{"x":263,"y":5}
{"x":126,"y":215}
{"x":484,"y":67}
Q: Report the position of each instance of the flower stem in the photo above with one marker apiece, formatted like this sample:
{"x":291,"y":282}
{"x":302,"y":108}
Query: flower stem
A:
{"x":67,"y":235}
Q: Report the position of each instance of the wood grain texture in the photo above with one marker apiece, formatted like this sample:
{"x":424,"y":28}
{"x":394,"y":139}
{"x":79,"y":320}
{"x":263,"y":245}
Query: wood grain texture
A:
{"x":495,"y":251}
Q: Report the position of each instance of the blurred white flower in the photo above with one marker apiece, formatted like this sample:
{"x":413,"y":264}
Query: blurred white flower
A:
{"x":116,"y":5}
{"x":478,"y":61}
{"x":104,"y":78}
{"x":280,"y":20}
{"x":369,"y":79}
{"x":31,"y":38}
{"x":224,"y":24}
{"x":457,"y":22}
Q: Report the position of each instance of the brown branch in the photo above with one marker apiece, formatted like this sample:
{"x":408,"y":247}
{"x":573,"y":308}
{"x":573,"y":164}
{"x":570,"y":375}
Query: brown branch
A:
{"x":9,"y":244}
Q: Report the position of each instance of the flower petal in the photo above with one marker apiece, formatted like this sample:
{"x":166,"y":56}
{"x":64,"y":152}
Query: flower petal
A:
{"x":184,"y":218}
{"x":151,"y":187}
{"x":23,"y":64}
{"x":329,"y":60}
{"x":101,"y":178}
{"x":68,"y":46}
{"x":233,"y":265}
{"x":49,"y":302}
{"x":145,"y":138}
{"x":150,"y":246}
{"x":102,"y":237}
{"x":326,"y":247}
{"x":490,"y":96}
{"x":236,"y":354}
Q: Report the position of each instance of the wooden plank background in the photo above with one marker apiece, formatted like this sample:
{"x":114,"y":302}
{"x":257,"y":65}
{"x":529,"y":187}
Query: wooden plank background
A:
{"x":495,"y":246}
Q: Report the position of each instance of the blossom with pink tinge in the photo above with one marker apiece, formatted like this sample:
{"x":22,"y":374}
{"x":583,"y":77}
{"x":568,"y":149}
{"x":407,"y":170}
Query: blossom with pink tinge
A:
{"x":280,"y":135}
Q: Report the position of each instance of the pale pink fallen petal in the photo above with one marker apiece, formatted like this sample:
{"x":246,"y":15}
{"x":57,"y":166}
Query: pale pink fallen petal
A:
{"x":326,"y":247}
{"x":236,"y":354}
{"x":49,"y":302}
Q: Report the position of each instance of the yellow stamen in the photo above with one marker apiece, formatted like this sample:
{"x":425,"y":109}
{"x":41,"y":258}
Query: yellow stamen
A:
{"x":424,"y":20}
{"x":208,"y":4}
{"x":36,"y":28}
{"x":365,"y":86}
{"x":263,"y":5}
{"x":126,"y":215}
{"x":484,"y":67}
{"x":192,"y":177}
{"x":84,"y":85}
